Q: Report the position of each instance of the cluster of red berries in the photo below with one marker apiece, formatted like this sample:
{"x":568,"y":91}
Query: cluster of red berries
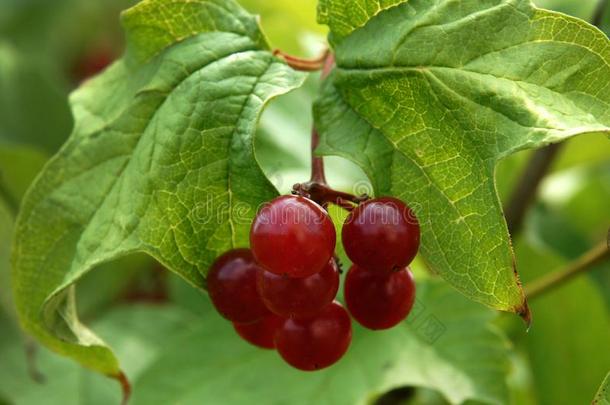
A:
{"x":280,"y":294}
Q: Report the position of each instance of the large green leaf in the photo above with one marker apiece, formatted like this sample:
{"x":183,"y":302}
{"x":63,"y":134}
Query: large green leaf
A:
{"x":154,"y":25}
{"x":160,"y":161}
{"x":429,"y":95}
{"x":447,"y":344}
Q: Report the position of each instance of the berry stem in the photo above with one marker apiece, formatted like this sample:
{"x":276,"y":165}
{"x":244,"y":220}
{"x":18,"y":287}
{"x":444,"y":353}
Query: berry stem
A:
{"x":323,"y":194}
{"x":301,"y":64}
{"x":317,"y":162}
{"x":548,"y":282}
{"x":317,"y":188}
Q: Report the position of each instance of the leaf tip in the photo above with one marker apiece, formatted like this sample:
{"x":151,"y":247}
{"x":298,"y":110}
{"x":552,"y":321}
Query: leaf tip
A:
{"x":121,"y":377}
{"x":524,"y":312}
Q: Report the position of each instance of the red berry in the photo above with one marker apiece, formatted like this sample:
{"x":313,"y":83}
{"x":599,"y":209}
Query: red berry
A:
{"x":299,"y":297}
{"x":292,"y":235}
{"x":315,"y":343}
{"x":381,"y":234}
{"x":232,"y":287}
{"x":379,"y":299}
{"x":260,"y":333}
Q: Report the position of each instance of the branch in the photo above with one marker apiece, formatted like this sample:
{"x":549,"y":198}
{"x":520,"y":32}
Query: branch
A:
{"x":6,"y":196}
{"x":598,"y":15}
{"x":539,"y":165}
{"x":596,"y":255}
{"x":527,"y":188}
{"x":31,"y":351}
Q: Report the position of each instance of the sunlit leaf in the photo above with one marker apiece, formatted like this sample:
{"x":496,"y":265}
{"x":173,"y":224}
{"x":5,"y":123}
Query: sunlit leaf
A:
{"x":429,"y":95}
{"x":160,"y":161}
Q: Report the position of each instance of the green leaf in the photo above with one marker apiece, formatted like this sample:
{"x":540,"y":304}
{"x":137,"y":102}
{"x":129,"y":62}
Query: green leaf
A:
{"x":160,"y":161}
{"x":447,"y":344}
{"x":345,"y":17}
{"x":153,"y":25}
{"x":603,"y":395}
{"x":582,"y":9}
{"x":429,"y":95}
{"x":138,"y":332}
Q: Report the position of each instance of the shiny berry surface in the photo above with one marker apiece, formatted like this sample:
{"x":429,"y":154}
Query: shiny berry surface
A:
{"x":292,"y":236}
{"x":381,"y":234}
{"x":315,"y":343}
{"x":299,"y":297}
{"x":232,"y":287}
{"x":260,"y":333}
{"x":379,"y":300}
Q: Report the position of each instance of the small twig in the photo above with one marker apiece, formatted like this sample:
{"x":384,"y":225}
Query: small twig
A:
{"x":317,"y":162}
{"x":598,"y":14}
{"x":305,"y":65}
{"x":31,"y":352}
{"x":596,"y":255}
{"x":528,"y":185}
{"x":323,"y":194}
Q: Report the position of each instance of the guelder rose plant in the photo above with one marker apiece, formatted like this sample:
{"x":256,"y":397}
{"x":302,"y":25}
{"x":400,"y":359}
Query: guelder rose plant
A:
{"x":280,"y":294}
{"x":425,"y":96}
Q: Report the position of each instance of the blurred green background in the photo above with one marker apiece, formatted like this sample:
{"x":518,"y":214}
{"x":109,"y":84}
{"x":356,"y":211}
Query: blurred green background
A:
{"x":160,"y":327}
